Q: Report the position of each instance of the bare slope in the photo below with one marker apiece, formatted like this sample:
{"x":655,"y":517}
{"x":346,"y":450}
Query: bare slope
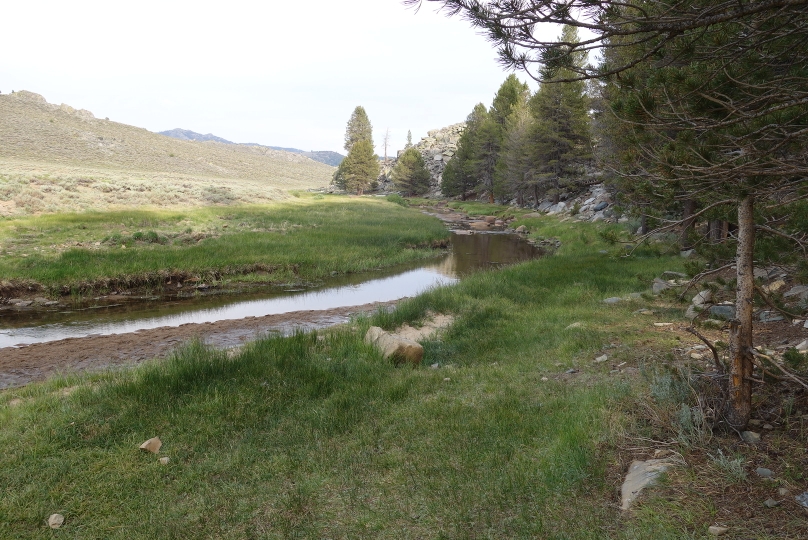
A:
{"x":55,"y":158}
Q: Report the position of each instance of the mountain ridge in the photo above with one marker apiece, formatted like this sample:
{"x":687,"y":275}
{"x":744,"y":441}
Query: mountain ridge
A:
{"x":322,"y":156}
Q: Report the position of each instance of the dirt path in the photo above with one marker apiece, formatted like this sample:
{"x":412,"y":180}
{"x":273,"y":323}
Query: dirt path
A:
{"x":20,"y":366}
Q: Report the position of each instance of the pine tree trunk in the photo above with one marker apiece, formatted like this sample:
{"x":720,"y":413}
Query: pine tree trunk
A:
{"x":643,"y":225}
{"x":491,"y":197}
{"x":687,"y":223}
{"x":739,"y":404}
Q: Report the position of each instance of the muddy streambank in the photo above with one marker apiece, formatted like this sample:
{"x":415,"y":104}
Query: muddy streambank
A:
{"x":39,"y":361}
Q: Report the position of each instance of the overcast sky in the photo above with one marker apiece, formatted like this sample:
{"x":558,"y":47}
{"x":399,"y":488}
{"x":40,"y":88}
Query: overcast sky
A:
{"x":270,"y":72}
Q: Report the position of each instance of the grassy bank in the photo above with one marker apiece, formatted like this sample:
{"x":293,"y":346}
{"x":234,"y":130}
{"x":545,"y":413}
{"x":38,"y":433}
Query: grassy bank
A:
{"x":305,"y":239}
{"x":514,"y":433}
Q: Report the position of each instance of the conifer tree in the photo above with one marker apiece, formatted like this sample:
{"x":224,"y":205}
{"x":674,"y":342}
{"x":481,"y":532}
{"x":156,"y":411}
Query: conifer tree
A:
{"x":410,"y":174}
{"x":460,"y":175}
{"x":360,"y":168}
{"x":358,"y":128}
{"x":409,"y":139}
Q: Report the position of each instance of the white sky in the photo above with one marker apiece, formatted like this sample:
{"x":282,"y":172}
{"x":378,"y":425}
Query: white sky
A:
{"x":270,"y":72}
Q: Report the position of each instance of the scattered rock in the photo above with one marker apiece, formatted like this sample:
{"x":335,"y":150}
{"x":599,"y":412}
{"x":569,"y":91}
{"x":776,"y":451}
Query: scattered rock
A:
{"x":612,"y":300}
{"x":601,"y":359}
{"x":600,"y":206}
{"x":672,"y":274}
{"x":770,"y":316}
{"x":532,"y":215}
{"x":491,"y":219}
{"x":164,"y":460}
{"x":521,"y":229}
{"x":545,"y":379}
{"x":480,"y":225}
{"x":152,"y":445}
{"x":691,"y":313}
{"x":802,"y":499}
{"x":640,"y":475}
{"x":435,"y":365}
{"x":571,"y":371}
{"x":663,"y":324}
{"x":763,"y":472}
{"x":723,"y":311}
{"x":685,"y":254}
{"x":798,"y":290}
{"x":802,"y":347}
{"x":750,"y":437}
{"x":783,"y":492}
{"x":771,"y":503}
{"x":768,"y":426}
{"x":703,"y":298}
{"x":659,"y":285}
{"x":575,"y":325}
{"x":715,"y":530}
{"x":774,"y":286}
{"x":55,"y":521}
{"x":398,"y":348}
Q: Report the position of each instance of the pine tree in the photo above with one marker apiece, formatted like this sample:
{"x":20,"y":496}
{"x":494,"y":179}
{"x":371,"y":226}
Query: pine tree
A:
{"x":460,"y":175}
{"x":410,"y":174}
{"x":360,"y":168}
{"x":560,"y":137}
{"x":514,"y":161}
{"x":358,"y":128}
{"x":409,"y":140}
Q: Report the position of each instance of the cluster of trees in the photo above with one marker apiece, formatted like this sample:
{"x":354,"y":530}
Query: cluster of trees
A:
{"x":525,"y":145}
{"x":701,"y":111}
{"x":360,"y":169}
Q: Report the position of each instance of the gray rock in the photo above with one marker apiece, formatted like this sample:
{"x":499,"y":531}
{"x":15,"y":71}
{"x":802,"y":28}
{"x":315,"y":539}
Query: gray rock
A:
{"x":641,"y":474}
{"x":597,"y":217}
{"x":691,"y":313}
{"x":770,"y":316}
{"x":600,"y":206}
{"x":544,"y":206}
{"x":802,"y":347}
{"x":715,"y":530}
{"x":23,"y":303}
{"x":395,"y":347}
{"x":760,"y":273}
{"x":783,"y":492}
{"x":723,"y":311}
{"x":702,"y":298}
{"x":612,"y":300}
{"x":802,"y":499}
{"x":763,"y":472}
{"x":797,"y":290}
{"x":521,"y":229}
{"x":659,"y":285}
{"x":750,"y":437}
{"x":771,"y":503}
{"x":686,"y":253}
{"x":671,"y":274}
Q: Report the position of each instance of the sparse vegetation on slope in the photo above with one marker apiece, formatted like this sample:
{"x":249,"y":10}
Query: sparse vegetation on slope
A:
{"x":57,"y":159}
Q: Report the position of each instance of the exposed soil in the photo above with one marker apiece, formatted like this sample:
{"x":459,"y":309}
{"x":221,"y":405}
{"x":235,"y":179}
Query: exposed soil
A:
{"x":20,"y":366}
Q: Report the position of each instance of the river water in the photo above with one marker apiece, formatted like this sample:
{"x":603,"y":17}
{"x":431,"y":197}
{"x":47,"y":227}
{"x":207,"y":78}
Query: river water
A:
{"x":470,"y":253}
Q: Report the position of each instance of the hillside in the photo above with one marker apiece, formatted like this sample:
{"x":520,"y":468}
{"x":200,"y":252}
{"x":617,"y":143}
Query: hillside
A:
{"x":56,"y":158}
{"x":323,"y":156}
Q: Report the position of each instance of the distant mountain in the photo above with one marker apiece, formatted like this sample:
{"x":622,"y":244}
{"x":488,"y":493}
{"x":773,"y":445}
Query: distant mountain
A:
{"x":188,"y":135}
{"x":322,"y":156}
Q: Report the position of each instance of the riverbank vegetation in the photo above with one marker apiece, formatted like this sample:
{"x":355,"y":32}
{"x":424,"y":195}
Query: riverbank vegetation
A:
{"x":302,"y":240}
{"x":509,"y":429}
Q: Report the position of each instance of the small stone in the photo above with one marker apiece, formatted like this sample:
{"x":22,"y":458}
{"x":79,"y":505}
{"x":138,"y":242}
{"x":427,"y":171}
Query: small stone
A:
{"x":703,"y":298}
{"x":715,"y":530}
{"x":152,"y":445}
{"x":55,"y":521}
{"x":755,"y":422}
{"x":768,"y":426}
{"x":802,"y":499}
{"x":696,"y":356}
{"x":601,"y":359}
{"x":545,"y":379}
{"x":663,"y":324}
{"x":750,"y":437}
{"x":763,"y":472}
{"x":770,"y":316}
{"x":725,"y":312}
{"x":612,"y":300}
{"x":802,"y":347}
{"x":783,"y":492}
{"x":771,"y":503}
{"x":521,"y":229}
{"x":659,"y":285}
{"x":435,"y":365}
{"x":575,"y":325}
{"x":164,"y":460}
{"x":447,"y":379}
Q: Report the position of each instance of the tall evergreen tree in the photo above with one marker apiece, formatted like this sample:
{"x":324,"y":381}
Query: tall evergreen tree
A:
{"x":409,"y":139}
{"x":460,"y":175}
{"x":358,"y":128}
{"x":515,"y":163}
{"x":360,"y":167}
{"x":560,"y":137}
{"x":410,"y":174}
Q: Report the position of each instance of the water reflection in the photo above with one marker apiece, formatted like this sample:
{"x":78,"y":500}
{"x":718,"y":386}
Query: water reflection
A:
{"x":469,"y":253}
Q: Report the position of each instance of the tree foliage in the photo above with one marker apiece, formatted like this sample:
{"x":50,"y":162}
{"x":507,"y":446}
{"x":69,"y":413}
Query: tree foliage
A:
{"x":460,"y":176}
{"x":410,"y":174}
{"x":359,"y":169}
{"x":711,"y":99}
{"x":358,"y":128}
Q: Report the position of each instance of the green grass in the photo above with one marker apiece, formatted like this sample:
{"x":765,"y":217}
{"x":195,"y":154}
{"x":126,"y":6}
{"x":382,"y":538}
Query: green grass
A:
{"x":305,"y":239}
{"x":316,"y":436}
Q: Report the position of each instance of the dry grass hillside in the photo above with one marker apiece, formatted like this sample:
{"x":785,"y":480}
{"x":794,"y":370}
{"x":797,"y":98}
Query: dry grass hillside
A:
{"x":55,"y":158}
